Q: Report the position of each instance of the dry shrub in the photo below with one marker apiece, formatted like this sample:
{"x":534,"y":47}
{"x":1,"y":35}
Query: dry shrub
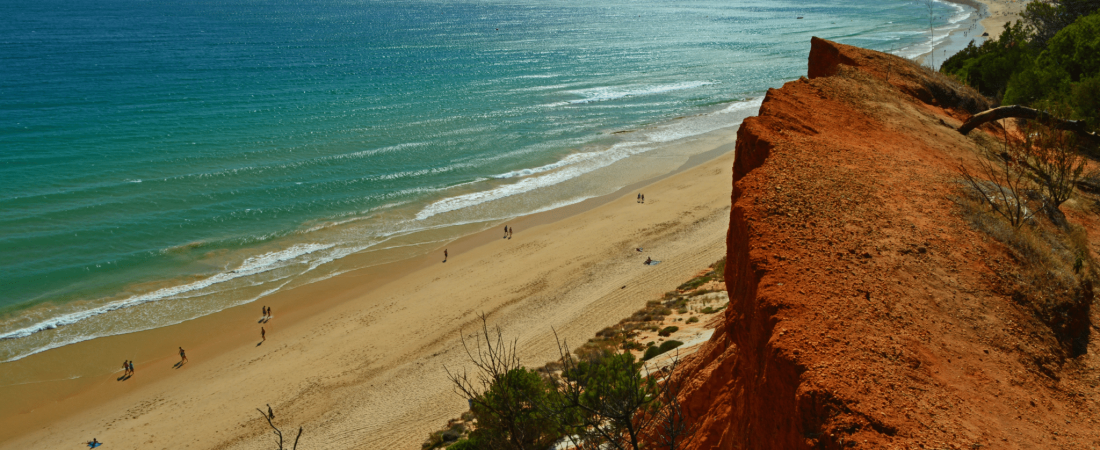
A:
{"x":1053,"y":156}
{"x":1001,"y":182}
{"x":1053,"y":273}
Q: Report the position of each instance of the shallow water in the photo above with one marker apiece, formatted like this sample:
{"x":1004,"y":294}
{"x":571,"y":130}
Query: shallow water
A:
{"x":164,"y":161}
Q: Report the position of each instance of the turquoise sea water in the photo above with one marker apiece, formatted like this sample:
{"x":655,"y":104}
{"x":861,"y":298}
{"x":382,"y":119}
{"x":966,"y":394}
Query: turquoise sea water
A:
{"x":160,"y":161}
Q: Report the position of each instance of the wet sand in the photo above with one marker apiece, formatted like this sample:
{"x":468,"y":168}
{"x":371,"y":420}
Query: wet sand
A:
{"x":359,"y":360}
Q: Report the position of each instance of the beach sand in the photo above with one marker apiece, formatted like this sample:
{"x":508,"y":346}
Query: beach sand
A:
{"x":359,"y":360}
{"x":1001,"y":13}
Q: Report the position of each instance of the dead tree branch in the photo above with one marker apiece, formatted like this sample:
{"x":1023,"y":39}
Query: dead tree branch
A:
{"x":278,"y":433}
{"x":1023,"y":112}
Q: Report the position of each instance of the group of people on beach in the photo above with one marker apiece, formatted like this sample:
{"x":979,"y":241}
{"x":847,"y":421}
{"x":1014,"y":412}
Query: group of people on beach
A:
{"x":507,"y":232}
{"x":128,"y":365}
{"x":267,"y":317}
{"x":641,"y":198}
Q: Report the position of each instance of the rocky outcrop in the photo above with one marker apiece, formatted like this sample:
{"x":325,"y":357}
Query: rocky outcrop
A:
{"x":865,"y":308}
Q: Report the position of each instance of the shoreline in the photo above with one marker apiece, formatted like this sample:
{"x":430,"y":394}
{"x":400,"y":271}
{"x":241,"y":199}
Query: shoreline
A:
{"x":406,"y":238}
{"x":957,"y":40}
{"x":82,"y":393}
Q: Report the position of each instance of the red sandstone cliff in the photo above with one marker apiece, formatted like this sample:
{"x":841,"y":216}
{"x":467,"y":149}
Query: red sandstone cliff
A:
{"x":866,"y":309}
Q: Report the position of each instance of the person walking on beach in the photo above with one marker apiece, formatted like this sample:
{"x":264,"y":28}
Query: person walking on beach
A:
{"x":643,"y":197}
{"x":125,"y":367}
{"x":265,"y":313}
{"x":444,"y":255}
{"x":131,"y":364}
{"x":263,"y":334}
{"x":183,"y":356}
{"x":639,"y":199}
{"x":510,"y":230}
{"x":506,"y":231}
{"x":269,"y":316}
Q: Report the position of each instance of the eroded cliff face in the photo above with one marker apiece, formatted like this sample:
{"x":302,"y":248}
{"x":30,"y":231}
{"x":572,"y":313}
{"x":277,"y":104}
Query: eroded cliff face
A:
{"x":864,"y":311}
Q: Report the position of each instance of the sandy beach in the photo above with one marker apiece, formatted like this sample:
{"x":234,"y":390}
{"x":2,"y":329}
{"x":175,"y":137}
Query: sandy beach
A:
{"x":1000,"y":14}
{"x":359,"y":360}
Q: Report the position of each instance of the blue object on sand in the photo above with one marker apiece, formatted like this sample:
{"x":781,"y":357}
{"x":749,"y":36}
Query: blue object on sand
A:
{"x":94,"y":445}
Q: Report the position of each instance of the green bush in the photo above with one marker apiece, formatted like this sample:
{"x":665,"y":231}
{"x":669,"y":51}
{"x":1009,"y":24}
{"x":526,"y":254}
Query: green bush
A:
{"x":667,"y":331}
{"x":1071,"y":57}
{"x":1086,"y":101}
{"x":665,"y":346}
{"x":988,"y":68}
{"x":507,"y":414}
{"x":1046,"y":18}
{"x":466,"y":444}
{"x":693,"y":319}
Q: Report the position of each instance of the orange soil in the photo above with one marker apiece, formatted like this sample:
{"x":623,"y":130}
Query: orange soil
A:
{"x":864,"y":311}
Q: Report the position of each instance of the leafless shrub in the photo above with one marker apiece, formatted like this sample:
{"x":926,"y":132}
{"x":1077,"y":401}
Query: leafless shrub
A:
{"x":1053,"y":155}
{"x":1004,"y":185}
{"x":270,"y":416}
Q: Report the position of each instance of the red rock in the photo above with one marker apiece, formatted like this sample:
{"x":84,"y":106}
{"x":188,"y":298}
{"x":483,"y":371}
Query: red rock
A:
{"x":857,"y":152}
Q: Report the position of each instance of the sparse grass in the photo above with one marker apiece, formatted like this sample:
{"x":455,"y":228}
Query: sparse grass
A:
{"x":712,"y":310}
{"x":1053,"y":274}
{"x":696,"y":282}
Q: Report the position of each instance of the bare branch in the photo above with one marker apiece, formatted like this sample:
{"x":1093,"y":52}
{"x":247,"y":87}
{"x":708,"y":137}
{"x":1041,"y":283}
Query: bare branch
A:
{"x":277,"y":432}
{"x":1022,"y":112}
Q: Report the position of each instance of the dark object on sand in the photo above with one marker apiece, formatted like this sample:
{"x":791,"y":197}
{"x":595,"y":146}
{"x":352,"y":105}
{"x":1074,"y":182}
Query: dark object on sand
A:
{"x":94,"y":443}
{"x":985,"y":34}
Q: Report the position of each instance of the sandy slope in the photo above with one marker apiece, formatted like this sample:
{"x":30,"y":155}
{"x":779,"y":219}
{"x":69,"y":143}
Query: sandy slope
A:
{"x":360,"y":364}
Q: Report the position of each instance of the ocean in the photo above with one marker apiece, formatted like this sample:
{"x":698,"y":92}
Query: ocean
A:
{"x":162,"y":161}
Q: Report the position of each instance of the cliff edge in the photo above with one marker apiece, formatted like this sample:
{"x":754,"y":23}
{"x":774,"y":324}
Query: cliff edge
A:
{"x":869,"y":308}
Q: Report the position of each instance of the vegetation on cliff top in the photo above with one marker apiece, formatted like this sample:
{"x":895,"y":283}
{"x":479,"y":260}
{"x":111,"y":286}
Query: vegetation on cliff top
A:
{"x":1052,"y":57}
{"x":597,"y":396}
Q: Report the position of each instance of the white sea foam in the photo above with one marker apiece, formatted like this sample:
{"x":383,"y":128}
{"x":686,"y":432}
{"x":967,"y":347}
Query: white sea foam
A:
{"x":578,"y":164}
{"x":250,"y":266}
{"x":84,"y":337}
{"x":605,"y":93}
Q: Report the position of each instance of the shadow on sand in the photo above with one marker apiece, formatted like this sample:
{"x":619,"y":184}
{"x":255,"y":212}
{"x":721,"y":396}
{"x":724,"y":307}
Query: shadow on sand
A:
{"x":178,"y":365}
{"x":124,"y":377}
